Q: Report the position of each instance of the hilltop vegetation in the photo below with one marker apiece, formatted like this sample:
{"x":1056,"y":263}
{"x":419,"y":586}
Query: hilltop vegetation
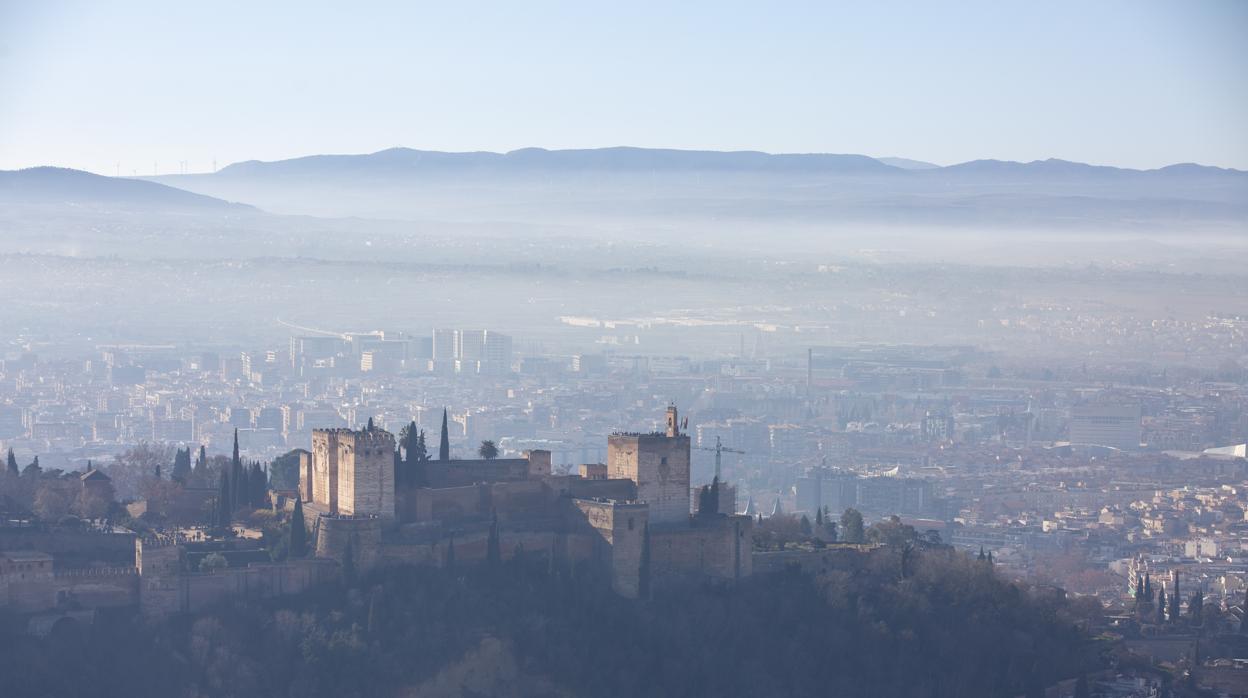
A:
{"x":949,"y":628}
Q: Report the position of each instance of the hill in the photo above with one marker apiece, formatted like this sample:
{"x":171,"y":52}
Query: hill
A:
{"x":55,"y":186}
{"x":600,"y":189}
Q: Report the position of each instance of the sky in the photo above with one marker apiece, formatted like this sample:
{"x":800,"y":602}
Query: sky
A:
{"x":140,"y":87}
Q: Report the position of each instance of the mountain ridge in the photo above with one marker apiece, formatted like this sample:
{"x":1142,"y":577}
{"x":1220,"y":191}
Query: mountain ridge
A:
{"x":65,"y":186}
{"x":633,"y":158}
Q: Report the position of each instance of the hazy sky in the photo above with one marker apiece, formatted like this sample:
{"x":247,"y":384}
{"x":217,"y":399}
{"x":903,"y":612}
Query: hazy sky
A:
{"x":1134,"y":83}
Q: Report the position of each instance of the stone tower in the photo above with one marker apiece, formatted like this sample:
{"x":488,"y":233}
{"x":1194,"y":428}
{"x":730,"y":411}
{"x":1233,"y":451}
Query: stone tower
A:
{"x":353,"y":472}
{"x":659,"y":464}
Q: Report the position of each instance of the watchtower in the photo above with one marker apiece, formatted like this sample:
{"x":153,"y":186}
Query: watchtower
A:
{"x":659,"y":463}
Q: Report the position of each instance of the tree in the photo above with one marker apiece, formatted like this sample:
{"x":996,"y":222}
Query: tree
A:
{"x":52,"y":500}
{"x":1161,"y":607}
{"x":213,"y":562}
{"x":643,"y":571}
{"x":258,"y":485}
{"x":201,"y":463}
{"x":819,"y":518}
{"x":892,"y":532}
{"x":805,"y":524}
{"x":225,"y":510}
{"x":488,"y":450}
{"x":94,"y":502}
{"x":370,"y":426}
{"x":298,"y":533}
{"x":13,"y":469}
{"x":181,"y":465}
{"x":238,"y":479}
{"x":374,"y":613}
{"x":493,"y":555}
{"x":851,"y":526}
{"x":444,"y":449}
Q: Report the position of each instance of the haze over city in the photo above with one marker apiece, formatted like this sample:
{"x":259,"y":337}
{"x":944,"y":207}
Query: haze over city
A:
{"x":566,"y":349}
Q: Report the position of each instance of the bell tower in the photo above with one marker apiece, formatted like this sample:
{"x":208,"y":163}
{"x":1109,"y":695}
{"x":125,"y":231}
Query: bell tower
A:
{"x":673,"y":426}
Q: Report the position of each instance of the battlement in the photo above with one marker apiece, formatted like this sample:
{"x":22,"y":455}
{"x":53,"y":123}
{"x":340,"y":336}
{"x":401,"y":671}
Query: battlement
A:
{"x":95,"y":572}
{"x":381,"y":434}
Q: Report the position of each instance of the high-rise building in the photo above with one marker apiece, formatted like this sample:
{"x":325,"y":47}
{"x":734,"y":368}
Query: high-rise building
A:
{"x":1117,"y":426}
{"x":444,"y":344}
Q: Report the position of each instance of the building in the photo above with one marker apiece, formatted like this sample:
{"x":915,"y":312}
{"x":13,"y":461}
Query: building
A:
{"x":1117,"y":426}
{"x":659,"y":464}
{"x":351,"y":487}
{"x":353,"y":472}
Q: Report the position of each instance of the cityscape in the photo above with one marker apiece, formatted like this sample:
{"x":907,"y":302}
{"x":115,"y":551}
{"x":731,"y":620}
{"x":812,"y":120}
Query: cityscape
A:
{"x":338,"y":418}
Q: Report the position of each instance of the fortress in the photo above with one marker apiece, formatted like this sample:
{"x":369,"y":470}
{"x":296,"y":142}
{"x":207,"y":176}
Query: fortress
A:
{"x":362,"y":501}
{"x":348,"y":486}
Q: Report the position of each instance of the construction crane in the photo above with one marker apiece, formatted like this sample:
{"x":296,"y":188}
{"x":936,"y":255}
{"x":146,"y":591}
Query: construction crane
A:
{"x":719,"y":450}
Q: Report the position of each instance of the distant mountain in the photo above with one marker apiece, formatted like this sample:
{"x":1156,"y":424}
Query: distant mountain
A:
{"x":608,"y":187}
{"x":908,"y":164}
{"x":399,"y":161}
{"x":75,"y":188}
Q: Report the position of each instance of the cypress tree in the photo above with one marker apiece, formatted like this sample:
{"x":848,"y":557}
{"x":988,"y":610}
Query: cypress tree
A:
{"x":444,"y":450}
{"x":13,"y":469}
{"x":819,"y":518}
{"x":1148,"y":587}
{"x":181,"y":465}
{"x":298,"y":533}
{"x":201,"y":462}
{"x":1174,"y":604}
{"x":258,"y":485}
{"x":1161,"y":607}
{"x":224,"y":510}
{"x":493,"y":555}
{"x":643,"y":571}
{"x":370,"y":425}
{"x":411,"y":443}
{"x":374,"y":614}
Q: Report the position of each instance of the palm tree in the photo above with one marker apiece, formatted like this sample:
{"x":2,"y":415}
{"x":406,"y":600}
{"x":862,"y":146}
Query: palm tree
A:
{"x":488,"y":450}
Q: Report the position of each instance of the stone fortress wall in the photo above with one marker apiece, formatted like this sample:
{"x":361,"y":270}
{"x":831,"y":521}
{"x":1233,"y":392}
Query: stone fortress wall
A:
{"x":165,"y":587}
